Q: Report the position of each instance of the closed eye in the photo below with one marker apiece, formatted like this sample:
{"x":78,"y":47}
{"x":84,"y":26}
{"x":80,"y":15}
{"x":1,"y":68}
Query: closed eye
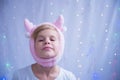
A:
{"x":52,"y":39}
{"x":40,"y":40}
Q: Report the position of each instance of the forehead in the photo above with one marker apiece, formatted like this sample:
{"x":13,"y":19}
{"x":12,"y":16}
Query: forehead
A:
{"x":48,"y":32}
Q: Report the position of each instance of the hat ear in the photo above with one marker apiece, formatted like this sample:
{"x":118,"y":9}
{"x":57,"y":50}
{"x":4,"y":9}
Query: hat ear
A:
{"x":28,"y":25}
{"x":59,"y":22}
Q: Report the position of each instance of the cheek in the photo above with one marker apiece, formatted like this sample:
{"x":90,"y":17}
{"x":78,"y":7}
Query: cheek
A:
{"x":57,"y":47}
{"x":38,"y":49}
{"x":37,"y":46}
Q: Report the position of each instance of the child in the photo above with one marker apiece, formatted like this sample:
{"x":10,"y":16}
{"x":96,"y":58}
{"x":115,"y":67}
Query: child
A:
{"x":46,"y":45}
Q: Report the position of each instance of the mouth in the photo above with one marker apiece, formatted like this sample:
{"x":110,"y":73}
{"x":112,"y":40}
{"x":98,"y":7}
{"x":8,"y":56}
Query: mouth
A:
{"x":47,"y":48}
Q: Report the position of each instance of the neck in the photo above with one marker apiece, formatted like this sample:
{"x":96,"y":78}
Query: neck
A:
{"x":46,"y":70}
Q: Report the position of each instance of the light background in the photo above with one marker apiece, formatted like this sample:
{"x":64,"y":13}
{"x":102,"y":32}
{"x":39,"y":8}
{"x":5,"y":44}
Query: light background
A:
{"x":92,"y":49}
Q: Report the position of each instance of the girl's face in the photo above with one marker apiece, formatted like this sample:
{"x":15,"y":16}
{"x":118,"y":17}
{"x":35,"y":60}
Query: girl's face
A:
{"x":47,"y":44}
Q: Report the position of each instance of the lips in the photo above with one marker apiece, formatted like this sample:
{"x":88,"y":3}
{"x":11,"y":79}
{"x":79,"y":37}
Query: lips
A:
{"x":47,"y":48}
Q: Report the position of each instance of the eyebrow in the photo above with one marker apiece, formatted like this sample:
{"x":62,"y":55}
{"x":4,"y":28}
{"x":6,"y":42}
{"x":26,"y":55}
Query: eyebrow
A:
{"x":40,"y":36}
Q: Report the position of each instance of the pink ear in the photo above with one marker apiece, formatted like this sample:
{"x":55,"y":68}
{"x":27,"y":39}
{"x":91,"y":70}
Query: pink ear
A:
{"x":59,"y":22}
{"x":28,"y":25}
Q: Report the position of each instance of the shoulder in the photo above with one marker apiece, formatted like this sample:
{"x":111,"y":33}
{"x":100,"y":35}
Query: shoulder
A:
{"x":21,"y":73}
{"x":23,"y":70}
{"x":66,"y":75}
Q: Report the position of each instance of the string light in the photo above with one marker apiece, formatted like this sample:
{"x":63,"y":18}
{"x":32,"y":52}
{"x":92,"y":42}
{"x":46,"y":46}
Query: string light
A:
{"x":3,"y":78}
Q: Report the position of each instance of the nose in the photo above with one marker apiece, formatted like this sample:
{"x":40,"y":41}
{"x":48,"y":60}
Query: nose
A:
{"x":47,"y":41}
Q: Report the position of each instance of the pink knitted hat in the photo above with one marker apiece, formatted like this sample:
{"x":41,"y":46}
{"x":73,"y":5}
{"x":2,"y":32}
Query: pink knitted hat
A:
{"x":58,"y":24}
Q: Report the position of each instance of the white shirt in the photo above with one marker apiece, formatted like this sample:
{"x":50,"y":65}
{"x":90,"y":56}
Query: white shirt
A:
{"x":27,"y":74}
